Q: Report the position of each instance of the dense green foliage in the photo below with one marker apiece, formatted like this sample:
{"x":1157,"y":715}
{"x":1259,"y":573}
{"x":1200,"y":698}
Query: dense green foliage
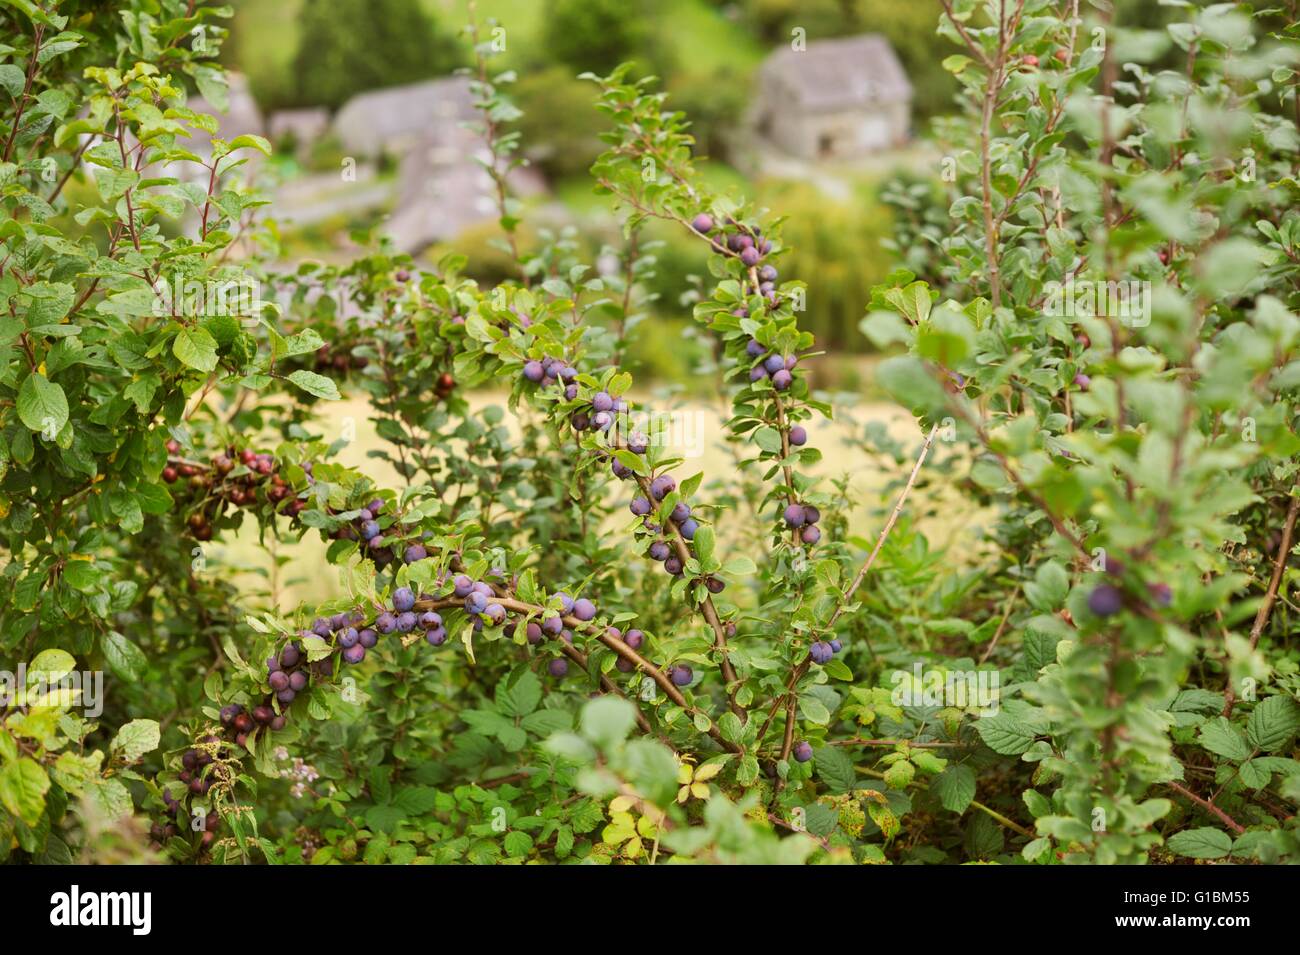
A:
{"x":519,"y":671}
{"x":346,"y":47}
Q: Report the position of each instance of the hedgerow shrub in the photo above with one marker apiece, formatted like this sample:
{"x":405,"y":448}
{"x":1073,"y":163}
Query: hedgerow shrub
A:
{"x":557,"y":643}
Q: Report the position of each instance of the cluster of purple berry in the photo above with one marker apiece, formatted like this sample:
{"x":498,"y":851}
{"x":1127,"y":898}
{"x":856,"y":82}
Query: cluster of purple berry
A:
{"x":822,"y":650}
{"x":680,"y":517}
{"x":750,"y":248}
{"x":780,"y":369}
{"x":160,"y":832}
{"x":550,"y":370}
{"x":635,"y":639}
{"x":804,"y":518}
{"x":381,"y":547}
{"x":351,"y":638}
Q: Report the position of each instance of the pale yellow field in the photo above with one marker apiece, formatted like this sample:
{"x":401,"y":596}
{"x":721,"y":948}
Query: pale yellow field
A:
{"x":304,"y":576}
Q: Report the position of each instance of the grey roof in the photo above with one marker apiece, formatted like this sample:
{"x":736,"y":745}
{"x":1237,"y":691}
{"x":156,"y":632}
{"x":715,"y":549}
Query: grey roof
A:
{"x":840,"y":73}
{"x":370,"y":122}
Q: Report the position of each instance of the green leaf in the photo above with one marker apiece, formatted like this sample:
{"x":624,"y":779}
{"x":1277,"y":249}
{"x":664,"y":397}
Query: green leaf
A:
{"x":1203,"y":843}
{"x":814,"y":710}
{"x":607,"y":720}
{"x":137,"y":738}
{"x":835,"y":769}
{"x":1005,"y":734}
{"x":50,"y":666}
{"x":197,"y":348}
{"x":518,"y":844}
{"x":521,"y":698}
{"x":315,"y":384}
{"x":23,"y":785}
{"x":954,"y":787}
{"x":124,"y":658}
{"x":1273,"y":723}
{"x":1222,"y":738}
{"x":42,"y":405}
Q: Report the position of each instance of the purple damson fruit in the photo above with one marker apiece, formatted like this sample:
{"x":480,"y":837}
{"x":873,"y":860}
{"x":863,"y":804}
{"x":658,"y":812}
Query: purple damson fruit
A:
{"x":279,"y":680}
{"x":553,"y":625}
{"x":715,"y":585}
{"x":533,"y":371}
{"x":782,"y":380}
{"x":757,"y":373}
{"x":1161,"y":594}
{"x":660,"y":551}
{"x":584,"y":609}
{"x":634,"y":639}
{"x":403,"y":599}
{"x":415,"y":552}
{"x":354,"y":654}
{"x":290,"y":655}
{"x":702,"y":223}
{"x":463,"y":585}
{"x":637,"y":442}
{"x":811,"y":515}
{"x":662,"y":486}
{"x":558,"y":667}
{"x":750,"y":256}
{"x":798,"y":436}
{"x":773,"y":364}
{"x":430,"y":620}
{"x":1105,"y":600}
{"x":639,"y":506}
{"x":836,"y":646}
{"x":620,"y":470}
{"x":680,"y":674}
{"x":386,"y":622}
{"x":370,"y":530}
{"x":436,"y":637}
{"x":673,"y":565}
{"x":475,"y":603}
{"x":820,"y":652}
{"x":405,"y":622}
{"x":689,"y":527}
{"x":681,"y":510}
{"x":321,"y":627}
{"x":348,"y":637}
{"x":810,"y":535}
{"x":755,"y":348}
{"x":533,"y":632}
{"x":794,"y":515}
{"x":767,"y":274}
{"x":601,"y":401}
{"x":802,"y":751}
{"x":368,"y":638}
{"x":496,"y":614}
{"x":566,"y":602}
{"x":297,"y":681}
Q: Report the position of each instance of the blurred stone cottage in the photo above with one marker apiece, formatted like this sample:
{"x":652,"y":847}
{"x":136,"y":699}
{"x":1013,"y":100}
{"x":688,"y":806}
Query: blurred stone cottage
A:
{"x":834,"y":100}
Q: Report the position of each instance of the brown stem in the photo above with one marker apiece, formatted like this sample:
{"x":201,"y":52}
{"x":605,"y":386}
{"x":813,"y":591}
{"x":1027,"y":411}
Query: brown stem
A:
{"x":1270,"y":596}
{"x":1209,"y":806}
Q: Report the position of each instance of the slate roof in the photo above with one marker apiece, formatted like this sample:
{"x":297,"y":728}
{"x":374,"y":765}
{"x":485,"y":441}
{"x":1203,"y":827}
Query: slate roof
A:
{"x":840,"y":74}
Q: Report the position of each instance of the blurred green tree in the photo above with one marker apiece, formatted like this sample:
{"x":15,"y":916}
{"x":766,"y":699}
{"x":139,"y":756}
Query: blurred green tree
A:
{"x":348,"y":46}
{"x":597,"y":35}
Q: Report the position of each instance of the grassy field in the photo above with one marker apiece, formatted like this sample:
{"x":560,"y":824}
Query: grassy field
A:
{"x":296,"y":572}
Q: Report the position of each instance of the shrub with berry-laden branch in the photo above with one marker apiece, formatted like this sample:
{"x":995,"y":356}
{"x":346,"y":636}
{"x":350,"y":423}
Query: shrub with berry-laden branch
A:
{"x":553,"y":642}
